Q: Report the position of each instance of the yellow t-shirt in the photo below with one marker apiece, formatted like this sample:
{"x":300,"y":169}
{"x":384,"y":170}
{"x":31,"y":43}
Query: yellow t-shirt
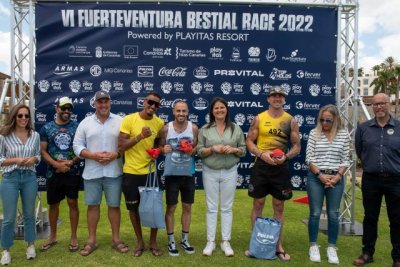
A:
{"x":136,"y":158}
{"x":273,"y":133}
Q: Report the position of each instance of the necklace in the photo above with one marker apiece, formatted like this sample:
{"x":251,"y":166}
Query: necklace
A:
{"x":180,"y":129}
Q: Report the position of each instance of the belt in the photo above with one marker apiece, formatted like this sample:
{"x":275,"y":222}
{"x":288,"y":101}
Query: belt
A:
{"x":330,"y":172}
{"x":383,"y":174}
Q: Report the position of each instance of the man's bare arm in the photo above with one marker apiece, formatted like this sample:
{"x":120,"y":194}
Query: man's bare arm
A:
{"x":251,"y":138}
{"x":294,"y":140}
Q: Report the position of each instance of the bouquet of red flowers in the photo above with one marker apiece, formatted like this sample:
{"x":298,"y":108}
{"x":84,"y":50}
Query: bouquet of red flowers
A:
{"x":185,"y":146}
{"x":153,"y":152}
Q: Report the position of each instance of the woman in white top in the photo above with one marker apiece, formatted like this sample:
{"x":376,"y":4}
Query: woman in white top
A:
{"x":327,"y":156}
{"x":19,"y":154}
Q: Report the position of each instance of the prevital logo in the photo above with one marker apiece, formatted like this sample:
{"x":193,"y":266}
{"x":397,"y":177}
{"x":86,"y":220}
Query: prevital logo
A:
{"x":239,"y":73}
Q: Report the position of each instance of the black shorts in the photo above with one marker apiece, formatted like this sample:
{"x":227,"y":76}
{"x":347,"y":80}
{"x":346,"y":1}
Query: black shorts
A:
{"x":130,"y":188}
{"x":62,"y":185}
{"x":175,"y":184}
{"x":268,"y":179}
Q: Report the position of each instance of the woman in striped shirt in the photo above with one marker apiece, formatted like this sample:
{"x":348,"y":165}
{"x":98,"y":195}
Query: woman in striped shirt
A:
{"x":19,"y":154}
{"x":327,"y":156}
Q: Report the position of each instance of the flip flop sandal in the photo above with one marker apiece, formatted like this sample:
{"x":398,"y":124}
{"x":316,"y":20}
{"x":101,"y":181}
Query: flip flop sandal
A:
{"x":88,"y":248}
{"x":73,"y":248}
{"x":120,"y":246}
{"x":156,"y":252}
{"x":138,"y":252}
{"x":47,"y":246}
{"x":282,"y":255}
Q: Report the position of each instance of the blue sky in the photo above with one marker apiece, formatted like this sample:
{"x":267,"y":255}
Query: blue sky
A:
{"x":379,"y":33}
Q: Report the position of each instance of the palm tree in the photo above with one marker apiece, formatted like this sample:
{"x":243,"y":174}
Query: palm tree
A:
{"x":396,"y":76}
{"x":389,"y":62}
{"x":382,"y":82}
{"x":360,"y":72}
{"x":376,"y":69}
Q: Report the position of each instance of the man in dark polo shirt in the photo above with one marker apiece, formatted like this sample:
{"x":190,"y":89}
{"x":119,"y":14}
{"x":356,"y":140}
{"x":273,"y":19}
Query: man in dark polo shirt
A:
{"x":377,"y":144}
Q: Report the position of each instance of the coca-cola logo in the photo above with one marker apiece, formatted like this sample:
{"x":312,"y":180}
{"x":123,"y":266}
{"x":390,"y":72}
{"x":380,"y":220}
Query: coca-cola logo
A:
{"x":176,"y":72}
{"x":170,"y":103}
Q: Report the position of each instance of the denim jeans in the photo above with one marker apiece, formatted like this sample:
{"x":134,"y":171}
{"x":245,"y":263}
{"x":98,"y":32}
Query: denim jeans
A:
{"x":219,"y":185}
{"x":14,"y":183}
{"x":373,"y":188}
{"x":316,"y":193}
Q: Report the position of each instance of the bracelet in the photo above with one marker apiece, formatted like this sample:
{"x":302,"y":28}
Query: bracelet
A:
{"x":260,"y":155}
{"x":317,"y":174}
{"x":119,"y":155}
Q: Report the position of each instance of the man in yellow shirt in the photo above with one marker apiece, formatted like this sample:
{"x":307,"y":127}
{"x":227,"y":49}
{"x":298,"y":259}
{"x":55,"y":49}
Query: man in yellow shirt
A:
{"x":270,"y":130}
{"x":138,"y":132}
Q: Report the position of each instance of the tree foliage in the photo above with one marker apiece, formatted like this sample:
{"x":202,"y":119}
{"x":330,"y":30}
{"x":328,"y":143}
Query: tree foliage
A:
{"x":388,"y":79}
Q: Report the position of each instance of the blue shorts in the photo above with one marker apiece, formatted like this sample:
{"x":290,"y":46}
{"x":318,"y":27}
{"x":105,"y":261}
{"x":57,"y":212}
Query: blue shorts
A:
{"x":111,"y":188}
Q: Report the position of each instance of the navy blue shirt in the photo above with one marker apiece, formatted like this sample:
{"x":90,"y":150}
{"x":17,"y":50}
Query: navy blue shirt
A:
{"x":379,"y":147}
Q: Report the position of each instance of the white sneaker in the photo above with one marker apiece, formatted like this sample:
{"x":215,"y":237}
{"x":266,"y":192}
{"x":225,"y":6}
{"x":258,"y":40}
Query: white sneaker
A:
{"x":210,"y":247}
{"x":30,"y":252}
{"x":314,"y":254}
{"x":5,"y":257}
{"x":332,"y":255}
{"x":226,"y":247}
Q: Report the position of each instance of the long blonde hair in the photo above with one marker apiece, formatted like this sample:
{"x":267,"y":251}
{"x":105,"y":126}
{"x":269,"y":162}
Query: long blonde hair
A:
{"x":337,"y":121}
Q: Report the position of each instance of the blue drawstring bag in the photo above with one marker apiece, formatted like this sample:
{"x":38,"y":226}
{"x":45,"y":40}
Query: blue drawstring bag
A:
{"x":264,"y":238}
{"x":151,"y":209}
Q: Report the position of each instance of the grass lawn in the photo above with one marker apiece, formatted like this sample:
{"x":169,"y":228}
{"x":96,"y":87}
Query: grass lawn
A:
{"x":295,"y":242}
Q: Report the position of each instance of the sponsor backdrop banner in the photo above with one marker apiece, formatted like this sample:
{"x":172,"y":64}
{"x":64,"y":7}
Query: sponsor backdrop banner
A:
{"x":192,"y":52}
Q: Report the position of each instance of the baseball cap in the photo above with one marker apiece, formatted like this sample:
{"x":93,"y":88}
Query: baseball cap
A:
{"x":101,"y":94}
{"x":277,"y":90}
{"x":65,"y":100}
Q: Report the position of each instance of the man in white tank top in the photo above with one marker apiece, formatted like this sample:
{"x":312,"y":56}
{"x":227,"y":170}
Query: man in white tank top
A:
{"x":178,"y":143}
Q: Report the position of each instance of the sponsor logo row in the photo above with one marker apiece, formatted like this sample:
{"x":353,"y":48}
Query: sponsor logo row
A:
{"x":175,"y":87}
{"x":253,"y":54}
{"x":200,"y":72}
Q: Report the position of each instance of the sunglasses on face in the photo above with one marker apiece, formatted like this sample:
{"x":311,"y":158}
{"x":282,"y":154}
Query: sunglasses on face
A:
{"x":152,"y":102}
{"x":328,"y":120}
{"x":20,"y":116}
{"x":66,"y":108}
